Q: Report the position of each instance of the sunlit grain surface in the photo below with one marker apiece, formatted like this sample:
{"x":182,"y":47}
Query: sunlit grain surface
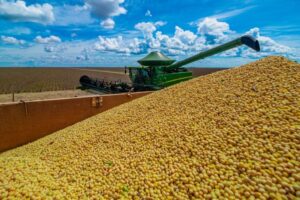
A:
{"x":232,"y":134}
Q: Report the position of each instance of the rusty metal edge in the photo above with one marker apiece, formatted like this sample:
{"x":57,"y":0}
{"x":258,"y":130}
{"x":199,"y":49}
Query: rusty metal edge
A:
{"x":67,"y":98}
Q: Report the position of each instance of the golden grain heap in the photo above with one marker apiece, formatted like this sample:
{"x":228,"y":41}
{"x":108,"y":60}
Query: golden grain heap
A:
{"x":233,"y":134}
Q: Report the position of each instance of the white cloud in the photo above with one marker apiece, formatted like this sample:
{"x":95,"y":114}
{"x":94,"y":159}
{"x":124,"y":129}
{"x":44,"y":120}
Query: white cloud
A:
{"x":211,"y":32}
{"x":18,"y":11}
{"x":182,"y":40}
{"x":61,"y":54}
{"x":214,"y":29}
{"x":170,"y":43}
{"x":108,"y":23}
{"x":147,"y":28}
{"x":46,"y":40}
{"x":148,"y":13}
{"x":231,"y":13}
{"x":55,"y":48}
{"x":110,"y":44}
{"x":118,"y":45}
{"x":105,"y":10}
{"x":147,"y":37}
{"x":72,"y":14}
{"x":12,"y":40}
{"x":267,"y":44}
{"x":186,"y":37}
{"x":224,"y":15}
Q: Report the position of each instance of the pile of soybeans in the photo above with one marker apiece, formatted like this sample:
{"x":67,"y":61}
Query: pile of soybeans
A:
{"x":234,"y":134}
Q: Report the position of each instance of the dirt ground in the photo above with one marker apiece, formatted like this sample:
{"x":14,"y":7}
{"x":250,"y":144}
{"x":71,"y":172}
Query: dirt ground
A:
{"x":28,"y":96}
{"x":41,"y":79}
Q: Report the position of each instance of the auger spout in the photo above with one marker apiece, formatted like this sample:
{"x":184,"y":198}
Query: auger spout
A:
{"x":244,"y":40}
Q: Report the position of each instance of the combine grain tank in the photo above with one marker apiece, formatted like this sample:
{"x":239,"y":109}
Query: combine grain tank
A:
{"x":157,"y":71}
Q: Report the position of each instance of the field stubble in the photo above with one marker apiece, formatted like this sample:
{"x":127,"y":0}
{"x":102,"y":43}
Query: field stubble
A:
{"x":16,"y":80}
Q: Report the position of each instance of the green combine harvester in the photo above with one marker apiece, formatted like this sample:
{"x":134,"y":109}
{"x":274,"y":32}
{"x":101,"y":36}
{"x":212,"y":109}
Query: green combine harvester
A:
{"x":157,"y":71}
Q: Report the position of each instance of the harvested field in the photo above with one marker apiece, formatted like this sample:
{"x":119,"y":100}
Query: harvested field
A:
{"x":110,"y":69}
{"x":233,"y":134}
{"x":50,"y":79}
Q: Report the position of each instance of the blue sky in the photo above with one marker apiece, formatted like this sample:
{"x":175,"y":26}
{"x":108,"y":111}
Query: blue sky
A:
{"x":119,"y":32}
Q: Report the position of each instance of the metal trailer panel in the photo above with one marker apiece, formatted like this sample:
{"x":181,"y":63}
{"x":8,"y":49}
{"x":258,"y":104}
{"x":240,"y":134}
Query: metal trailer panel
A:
{"x":24,"y":122}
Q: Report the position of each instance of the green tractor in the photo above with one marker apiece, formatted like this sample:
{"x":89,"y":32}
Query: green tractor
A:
{"x":157,"y":71}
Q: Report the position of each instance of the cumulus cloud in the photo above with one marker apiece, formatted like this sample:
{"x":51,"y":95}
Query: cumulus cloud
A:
{"x":210,"y":33}
{"x":147,"y":28}
{"x":11,"y":40}
{"x":18,"y":11}
{"x":177,"y":44}
{"x":105,"y":10}
{"x":108,"y":23}
{"x":187,"y":37}
{"x":183,"y":40}
{"x":213,"y":29}
{"x":46,"y":40}
{"x":72,"y":14}
{"x":118,"y":44}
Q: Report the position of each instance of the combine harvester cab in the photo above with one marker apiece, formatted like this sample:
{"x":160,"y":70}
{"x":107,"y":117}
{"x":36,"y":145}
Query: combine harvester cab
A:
{"x":157,"y":71}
